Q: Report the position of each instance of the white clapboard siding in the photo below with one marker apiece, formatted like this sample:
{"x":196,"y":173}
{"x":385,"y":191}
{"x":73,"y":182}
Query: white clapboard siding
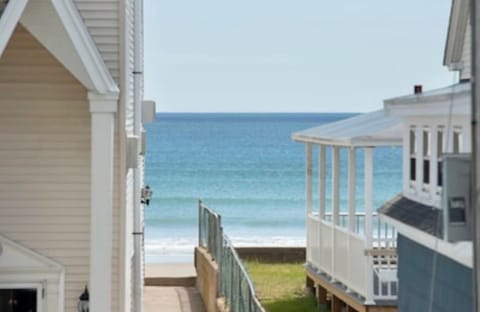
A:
{"x":45,"y":162}
{"x":467,"y":54}
{"x":102,"y":18}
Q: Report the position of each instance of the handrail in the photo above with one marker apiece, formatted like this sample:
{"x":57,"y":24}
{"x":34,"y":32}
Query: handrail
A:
{"x":235,"y":284}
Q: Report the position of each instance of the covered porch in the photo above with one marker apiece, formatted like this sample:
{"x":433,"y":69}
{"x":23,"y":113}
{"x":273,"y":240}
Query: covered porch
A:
{"x":347,"y":244}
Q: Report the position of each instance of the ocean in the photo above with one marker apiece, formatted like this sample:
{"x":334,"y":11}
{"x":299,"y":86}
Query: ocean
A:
{"x":247,"y":168}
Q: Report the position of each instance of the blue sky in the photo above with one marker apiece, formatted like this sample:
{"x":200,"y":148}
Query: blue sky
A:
{"x":291,"y":56}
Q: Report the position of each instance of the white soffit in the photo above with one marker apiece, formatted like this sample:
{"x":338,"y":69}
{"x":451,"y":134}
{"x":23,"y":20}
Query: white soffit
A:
{"x":371,"y":129}
{"x":60,"y":28}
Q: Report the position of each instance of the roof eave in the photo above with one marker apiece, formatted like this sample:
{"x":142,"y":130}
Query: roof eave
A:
{"x":357,"y":142}
{"x":456,"y":34}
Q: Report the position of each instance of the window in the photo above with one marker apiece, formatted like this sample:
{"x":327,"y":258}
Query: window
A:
{"x":12,"y":300}
{"x":457,"y":136}
{"x":412,"y":151}
{"x":440,"y":150}
{"x":426,"y":155}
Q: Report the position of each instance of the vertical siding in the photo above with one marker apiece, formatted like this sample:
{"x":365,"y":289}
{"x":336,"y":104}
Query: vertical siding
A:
{"x":129,"y":102}
{"x":466,"y":54}
{"x":45,"y":159}
{"x":452,"y":281}
{"x":102,"y":18}
{"x":130,"y":65}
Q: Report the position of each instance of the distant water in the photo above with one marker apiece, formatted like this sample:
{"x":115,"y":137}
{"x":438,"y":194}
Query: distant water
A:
{"x":246,"y":167}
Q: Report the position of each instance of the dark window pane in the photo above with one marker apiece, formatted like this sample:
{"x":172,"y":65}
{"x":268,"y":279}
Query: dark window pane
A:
{"x":426,"y":171}
{"x":440,"y":174}
{"x":18,"y":300}
{"x":413,"y":169}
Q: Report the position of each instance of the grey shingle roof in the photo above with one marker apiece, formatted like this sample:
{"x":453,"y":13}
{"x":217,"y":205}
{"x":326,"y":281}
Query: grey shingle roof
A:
{"x":425,"y":218}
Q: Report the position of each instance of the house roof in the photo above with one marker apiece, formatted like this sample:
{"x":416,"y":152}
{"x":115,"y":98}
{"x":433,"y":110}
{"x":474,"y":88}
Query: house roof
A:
{"x":425,"y":218}
{"x":371,"y":129}
{"x":433,"y":102}
{"x":459,"y":15}
{"x":57,"y":24}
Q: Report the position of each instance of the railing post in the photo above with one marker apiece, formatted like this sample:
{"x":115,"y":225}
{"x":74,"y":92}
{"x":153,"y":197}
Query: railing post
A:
{"x":308,"y":177}
{"x":335,"y":201}
{"x":321,"y":181}
{"x":351,"y":201}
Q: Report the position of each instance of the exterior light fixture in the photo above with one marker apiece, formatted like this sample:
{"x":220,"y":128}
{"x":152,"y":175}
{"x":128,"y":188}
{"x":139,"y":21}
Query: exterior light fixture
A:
{"x":83,"y":305}
{"x":146,"y":195}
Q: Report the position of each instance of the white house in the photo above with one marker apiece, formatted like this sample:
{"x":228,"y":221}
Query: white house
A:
{"x":71,"y":164}
{"x":433,"y":213}
{"x":351,"y":256}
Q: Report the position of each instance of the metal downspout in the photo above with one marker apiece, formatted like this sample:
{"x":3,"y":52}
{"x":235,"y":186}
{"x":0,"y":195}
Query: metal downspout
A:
{"x":475,"y":109}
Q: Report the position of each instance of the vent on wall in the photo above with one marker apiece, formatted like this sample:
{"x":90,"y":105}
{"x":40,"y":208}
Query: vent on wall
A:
{"x":457,"y":214}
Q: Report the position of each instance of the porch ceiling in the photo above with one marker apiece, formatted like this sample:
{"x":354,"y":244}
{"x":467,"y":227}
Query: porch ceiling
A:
{"x":370,"y":129}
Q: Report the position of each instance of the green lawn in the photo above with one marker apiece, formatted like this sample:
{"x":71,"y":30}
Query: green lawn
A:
{"x":280,"y":287}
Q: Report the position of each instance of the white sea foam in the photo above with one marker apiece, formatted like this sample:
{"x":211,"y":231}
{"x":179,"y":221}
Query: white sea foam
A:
{"x":172,"y":249}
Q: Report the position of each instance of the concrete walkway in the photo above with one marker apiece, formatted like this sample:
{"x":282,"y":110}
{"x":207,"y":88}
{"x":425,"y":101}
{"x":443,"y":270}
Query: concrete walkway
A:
{"x":172,"y":299}
{"x":168,"y":291}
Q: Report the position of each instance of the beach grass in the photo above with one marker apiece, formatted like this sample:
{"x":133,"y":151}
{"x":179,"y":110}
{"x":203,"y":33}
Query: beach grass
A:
{"x":281,"y":286}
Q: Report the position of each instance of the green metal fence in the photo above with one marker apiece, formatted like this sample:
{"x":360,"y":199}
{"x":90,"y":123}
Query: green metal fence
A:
{"x":234,"y":282}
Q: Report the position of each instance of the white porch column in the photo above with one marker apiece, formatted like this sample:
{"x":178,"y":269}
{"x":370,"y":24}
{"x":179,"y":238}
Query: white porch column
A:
{"x":308,"y":177}
{"x":321,"y":181}
{"x":351,"y":201}
{"x":368,"y":172}
{"x":335,"y":183}
{"x":335,"y":202}
{"x":102,"y":109}
{"x":351,"y":188}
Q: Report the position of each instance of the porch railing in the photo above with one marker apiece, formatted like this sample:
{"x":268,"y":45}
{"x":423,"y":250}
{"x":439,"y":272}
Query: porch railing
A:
{"x":235,"y":284}
{"x":346,"y":257}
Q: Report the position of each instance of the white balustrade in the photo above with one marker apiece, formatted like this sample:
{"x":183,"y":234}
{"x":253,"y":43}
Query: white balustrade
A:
{"x":350,"y":253}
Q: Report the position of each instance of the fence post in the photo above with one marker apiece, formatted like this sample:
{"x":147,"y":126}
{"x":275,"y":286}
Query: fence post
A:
{"x":200,"y":223}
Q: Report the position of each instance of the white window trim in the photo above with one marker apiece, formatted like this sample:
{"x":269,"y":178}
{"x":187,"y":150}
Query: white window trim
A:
{"x":37,"y":286}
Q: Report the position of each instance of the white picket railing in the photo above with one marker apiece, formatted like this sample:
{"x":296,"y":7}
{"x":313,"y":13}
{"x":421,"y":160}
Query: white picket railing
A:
{"x":346,"y":257}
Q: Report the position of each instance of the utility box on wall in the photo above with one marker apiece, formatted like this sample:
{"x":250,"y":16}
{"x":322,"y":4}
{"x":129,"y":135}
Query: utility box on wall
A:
{"x":457,"y":211}
{"x":148,"y":111}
